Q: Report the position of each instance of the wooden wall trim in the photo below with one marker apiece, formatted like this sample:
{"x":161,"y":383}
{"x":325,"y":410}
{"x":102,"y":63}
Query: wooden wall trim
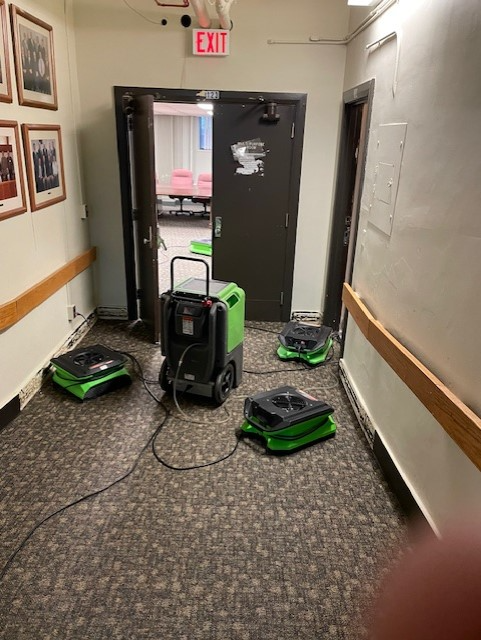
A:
{"x":457,"y":419}
{"x":14,"y":310}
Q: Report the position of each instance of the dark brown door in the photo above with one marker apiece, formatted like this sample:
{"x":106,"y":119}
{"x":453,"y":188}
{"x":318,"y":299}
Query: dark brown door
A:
{"x":344,"y":226}
{"x":145,"y":217}
{"x":252,"y":167}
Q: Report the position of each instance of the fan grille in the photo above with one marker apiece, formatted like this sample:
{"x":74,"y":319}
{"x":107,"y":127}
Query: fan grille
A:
{"x":88,"y":358}
{"x":288,"y":402}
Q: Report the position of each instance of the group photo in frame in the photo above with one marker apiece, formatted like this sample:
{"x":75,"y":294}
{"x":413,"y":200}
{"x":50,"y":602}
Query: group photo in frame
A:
{"x":34,"y":60}
{"x":12,"y":188}
{"x":5,"y":78}
{"x":44,"y":162}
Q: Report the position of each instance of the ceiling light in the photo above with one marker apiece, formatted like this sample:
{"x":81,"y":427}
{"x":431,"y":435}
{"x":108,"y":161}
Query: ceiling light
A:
{"x":360,"y":3}
{"x":205,"y":105}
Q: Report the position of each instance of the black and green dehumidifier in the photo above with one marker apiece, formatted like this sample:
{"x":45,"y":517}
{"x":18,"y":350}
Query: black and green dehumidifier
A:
{"x":306,"y":342}
{"x":89,"y":372}
{"x":202,"y":247}
{"x":287,"y":419}
{"x":202,"y":336}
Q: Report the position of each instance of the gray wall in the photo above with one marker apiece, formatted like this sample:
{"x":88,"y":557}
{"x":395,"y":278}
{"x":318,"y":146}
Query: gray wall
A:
{"x":422,"y":281}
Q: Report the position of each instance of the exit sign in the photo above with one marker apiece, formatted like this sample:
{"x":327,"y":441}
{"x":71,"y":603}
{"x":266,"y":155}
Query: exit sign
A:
{"x":211,"y":42}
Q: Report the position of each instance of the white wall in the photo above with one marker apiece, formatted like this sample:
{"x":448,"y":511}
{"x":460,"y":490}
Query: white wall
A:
{"x":118,"y":47}
{"x":33,"y":245}
{"x":422,"y":282}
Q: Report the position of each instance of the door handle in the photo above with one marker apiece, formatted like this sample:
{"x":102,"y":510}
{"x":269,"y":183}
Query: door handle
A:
{"x":217,"y":227}
{"x":148,"y":241}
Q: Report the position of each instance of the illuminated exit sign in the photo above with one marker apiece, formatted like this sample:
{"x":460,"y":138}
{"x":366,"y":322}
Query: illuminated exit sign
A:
{"x":211,"y":42}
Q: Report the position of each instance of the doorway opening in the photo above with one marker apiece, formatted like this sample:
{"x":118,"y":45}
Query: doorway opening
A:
{"x":183,"y":185}
{"x":256,"y":167}
{"x":350,"y":176}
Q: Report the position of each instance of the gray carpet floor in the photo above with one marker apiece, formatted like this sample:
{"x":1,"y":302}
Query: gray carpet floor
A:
{"x":254,"y":547}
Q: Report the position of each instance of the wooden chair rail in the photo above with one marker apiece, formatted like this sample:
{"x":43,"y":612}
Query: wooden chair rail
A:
{"x":14,"y":310}
{"x":458,"y":420}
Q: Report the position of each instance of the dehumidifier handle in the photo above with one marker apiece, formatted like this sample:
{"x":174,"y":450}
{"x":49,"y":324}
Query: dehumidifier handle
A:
{"x":192,"y":260}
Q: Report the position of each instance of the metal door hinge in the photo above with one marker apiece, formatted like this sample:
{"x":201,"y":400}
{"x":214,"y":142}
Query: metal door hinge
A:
{"x":287,"y":220}
{"x":282,"y":298}
{"x":135,"y":214}
{"x":139,"y":293}
{"x":293,"y":129}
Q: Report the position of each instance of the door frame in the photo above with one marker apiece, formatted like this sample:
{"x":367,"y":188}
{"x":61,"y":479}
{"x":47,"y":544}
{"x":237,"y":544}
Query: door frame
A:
{"x":339,"y":270}
{"x":123,"y":95}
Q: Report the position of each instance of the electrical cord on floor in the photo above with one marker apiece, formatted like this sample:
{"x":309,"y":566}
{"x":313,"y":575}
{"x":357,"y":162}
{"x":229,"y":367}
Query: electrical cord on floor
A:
{"x":239,"y":437}
{"x":168,"y":414}
{"x":141,"y":376}
{"x":150,"y":441}
{"x":93,"y":494}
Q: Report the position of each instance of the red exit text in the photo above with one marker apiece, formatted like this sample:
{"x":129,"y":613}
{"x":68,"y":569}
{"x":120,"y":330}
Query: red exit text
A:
{"x":211,"y":42}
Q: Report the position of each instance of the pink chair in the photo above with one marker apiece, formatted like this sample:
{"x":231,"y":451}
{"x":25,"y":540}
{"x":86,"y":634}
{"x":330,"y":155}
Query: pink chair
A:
{"x":204,"y":181}
{"x":181,"y":179}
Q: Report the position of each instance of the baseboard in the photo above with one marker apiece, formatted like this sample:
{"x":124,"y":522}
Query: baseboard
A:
{"x":392,"y":474}
{"x":13,"y":408}
{"x":362,"y":416}
{"x":112,"y":313}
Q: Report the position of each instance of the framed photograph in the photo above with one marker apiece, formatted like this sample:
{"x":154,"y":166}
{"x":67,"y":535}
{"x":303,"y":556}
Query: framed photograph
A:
{"x":34,"y":60}
{"x":12,"y":188}
{"x":5,"y":79}
{"x":44,"y":161}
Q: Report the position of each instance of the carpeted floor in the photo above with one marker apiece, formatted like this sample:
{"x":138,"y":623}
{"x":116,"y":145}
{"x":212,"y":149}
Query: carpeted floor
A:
{"x":255,"y":547}
{"x":177,"y":233}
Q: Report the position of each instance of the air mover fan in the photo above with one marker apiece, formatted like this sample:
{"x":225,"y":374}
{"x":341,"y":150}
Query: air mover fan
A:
{"x":287,"y":419}
{"x":89,"y":372}
{"x":204,"y":246}
{"x":306,"y":342}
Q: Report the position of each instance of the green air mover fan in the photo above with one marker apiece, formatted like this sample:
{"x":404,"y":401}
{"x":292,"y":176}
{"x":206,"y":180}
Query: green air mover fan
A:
{"x":306,"y":342}
{"x":287,"y":419}
{"x":89,"y":372}
{"x":202,"y":247}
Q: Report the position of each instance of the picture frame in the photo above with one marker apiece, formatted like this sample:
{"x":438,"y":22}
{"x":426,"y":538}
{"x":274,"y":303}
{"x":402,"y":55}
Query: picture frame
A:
{"x":34,"y":60}
{"x":12,"y":186}
{"x":44,"y":162}
{"x":5,"y":77}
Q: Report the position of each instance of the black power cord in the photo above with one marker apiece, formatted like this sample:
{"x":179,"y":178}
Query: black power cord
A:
{"x":239,"y":437}
{"x":151,"y":441}
{"x":9,"y":562}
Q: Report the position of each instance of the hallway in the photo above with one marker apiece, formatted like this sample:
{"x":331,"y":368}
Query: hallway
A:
{"x":256,"y":546}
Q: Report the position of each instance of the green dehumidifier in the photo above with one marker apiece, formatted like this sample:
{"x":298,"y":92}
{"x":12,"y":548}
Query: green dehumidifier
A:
{"x":309,"y":343}
{"x":202,"y":336}
{"x":287,"y":419}
{"x":88,"y":372}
